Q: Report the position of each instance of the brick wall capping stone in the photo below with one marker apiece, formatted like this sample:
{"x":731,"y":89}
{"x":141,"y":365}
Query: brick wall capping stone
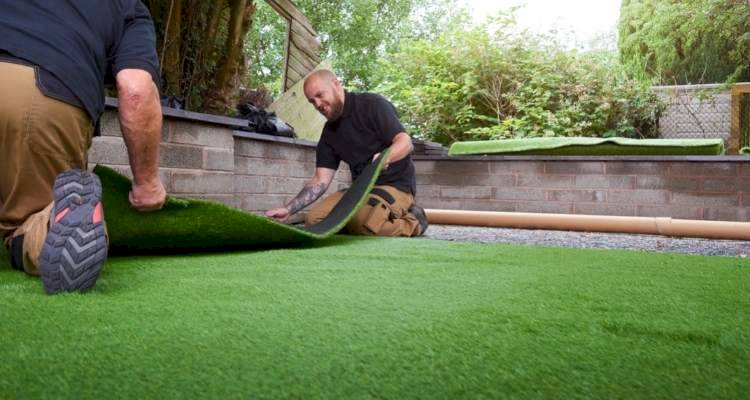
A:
{"x":310,"y":143}
{"x":586,"y":158}
{"x":274,"y":138}
{"x":191,"y":116}
{"x":234,"y":123}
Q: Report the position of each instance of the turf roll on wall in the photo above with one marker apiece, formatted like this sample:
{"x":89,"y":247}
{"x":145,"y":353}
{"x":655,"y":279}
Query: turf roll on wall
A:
{"x":194,"y":225}
{"x":586,"y":146}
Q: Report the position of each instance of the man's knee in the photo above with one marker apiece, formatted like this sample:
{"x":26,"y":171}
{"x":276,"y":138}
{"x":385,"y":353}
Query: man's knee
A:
{"x":321,"y":210}
{"x":312,"y":218}
{"x":317,"y":214}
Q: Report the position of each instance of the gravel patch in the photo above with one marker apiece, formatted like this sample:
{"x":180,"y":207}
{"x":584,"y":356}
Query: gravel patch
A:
{"x":590,"y":240}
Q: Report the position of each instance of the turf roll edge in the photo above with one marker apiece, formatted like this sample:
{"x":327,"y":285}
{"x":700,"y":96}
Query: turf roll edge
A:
{"x":184,"y":225}
{"x":586,"y":146}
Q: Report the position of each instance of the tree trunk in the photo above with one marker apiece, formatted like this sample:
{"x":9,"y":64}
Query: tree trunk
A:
{"x":222,"y":95}
{"x":214,"y":19}
{"x":155,"y":8}
{"x":171,"y":60}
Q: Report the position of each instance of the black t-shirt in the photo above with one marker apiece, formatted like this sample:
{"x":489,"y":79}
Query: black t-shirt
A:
{"x":78,"y":45}
{"x":367,"y":126}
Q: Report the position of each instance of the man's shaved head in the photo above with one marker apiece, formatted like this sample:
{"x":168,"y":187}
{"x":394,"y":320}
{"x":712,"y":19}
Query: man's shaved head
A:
{"x":324,"y":91}
{"x":320,"y":75}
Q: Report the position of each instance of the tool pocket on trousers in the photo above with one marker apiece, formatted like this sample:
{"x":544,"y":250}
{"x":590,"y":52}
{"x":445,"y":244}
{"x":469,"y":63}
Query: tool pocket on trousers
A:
{"x":379,"y":214}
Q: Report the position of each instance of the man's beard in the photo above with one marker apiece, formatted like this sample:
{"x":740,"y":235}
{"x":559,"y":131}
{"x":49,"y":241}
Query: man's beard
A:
{"x":337,"y":108}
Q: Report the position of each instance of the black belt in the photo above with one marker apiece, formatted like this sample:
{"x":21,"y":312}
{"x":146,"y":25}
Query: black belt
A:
{"x":384,"y":194}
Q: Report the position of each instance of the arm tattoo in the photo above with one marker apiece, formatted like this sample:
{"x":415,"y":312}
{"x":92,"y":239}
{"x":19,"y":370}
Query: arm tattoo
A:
{"x":306,"y":197}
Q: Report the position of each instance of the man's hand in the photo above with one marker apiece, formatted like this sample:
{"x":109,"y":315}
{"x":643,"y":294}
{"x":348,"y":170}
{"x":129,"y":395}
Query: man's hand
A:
{"x":375,"y":159}
{"x":148,"y":197}
{"x":280,"y":214}
{"x":401,"y":147}
{"x":312,"y":191}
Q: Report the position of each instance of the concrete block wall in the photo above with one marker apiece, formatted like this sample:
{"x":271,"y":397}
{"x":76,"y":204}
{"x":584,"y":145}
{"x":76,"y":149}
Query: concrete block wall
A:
{"x":269,"y":173}
{"x":708,"y":188}
{"x":210,"y":160}
{"x":207,"y":158}
{"x":197,"y":159}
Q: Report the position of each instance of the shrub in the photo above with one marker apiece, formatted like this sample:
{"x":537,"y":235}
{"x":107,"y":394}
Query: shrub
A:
{"x":690,"y":41}
{"x":487,"y":82}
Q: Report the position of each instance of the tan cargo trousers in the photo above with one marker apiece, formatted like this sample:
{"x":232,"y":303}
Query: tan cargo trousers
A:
{"x":385,"y":213}
{"x":40,"y":137}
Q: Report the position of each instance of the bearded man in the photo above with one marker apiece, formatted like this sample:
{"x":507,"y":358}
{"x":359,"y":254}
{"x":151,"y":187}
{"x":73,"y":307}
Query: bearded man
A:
{"x":359,"y":128}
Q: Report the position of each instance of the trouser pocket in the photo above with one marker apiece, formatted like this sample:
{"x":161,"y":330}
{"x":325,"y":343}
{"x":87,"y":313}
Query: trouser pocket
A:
{"x":378,"y":215}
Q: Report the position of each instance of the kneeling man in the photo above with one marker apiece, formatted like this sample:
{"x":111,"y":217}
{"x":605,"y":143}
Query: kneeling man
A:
{"x":359,"y":127}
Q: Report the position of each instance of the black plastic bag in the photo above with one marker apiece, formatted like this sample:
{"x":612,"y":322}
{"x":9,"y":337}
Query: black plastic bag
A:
{"x":173,"y":101}
{"x":261,"y":121}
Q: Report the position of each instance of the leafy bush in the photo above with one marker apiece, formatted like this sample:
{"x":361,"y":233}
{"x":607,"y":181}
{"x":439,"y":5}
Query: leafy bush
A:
{"x":489,"y":82}
{"x":691,"y":41}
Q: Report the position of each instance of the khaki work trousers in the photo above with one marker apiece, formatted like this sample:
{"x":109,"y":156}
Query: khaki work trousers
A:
{"x":377,"y":217}
{"x":40,"y":137}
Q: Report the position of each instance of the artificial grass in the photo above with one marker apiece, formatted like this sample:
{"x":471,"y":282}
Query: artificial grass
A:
{"x":745,"y":151}
{"x":385,"y":318}
{"x":194,"y":225}
{"x":586,"y":146}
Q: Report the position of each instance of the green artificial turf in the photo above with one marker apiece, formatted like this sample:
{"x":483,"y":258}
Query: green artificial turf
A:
{"x":385,"y":318}
{"x":188,"y":224}
{"x":745,"y":151}
{"x":586,"y":146}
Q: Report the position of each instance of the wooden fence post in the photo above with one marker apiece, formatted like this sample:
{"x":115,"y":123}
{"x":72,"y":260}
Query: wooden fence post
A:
{"x":736,"y":138}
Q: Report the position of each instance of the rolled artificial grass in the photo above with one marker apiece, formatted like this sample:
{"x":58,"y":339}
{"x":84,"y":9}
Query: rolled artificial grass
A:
{"x":586,"y":146}
{"x":195,"y":225}
{"x":385,"y":318}
{"x":745,"y":151}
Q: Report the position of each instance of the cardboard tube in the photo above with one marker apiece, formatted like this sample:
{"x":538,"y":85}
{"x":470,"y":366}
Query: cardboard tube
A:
{"x":594,"y":223}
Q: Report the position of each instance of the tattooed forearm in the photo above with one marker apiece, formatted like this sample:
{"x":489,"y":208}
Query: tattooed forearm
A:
{"x":306,"y":196}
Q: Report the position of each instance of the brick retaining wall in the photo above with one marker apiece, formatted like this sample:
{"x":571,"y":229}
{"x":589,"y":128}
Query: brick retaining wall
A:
{"x":710,"y":188}
{"x":207,"y":158}
{"x":213,"y":161}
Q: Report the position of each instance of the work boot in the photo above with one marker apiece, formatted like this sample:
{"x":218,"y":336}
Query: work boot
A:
{"x":418,"y":213}
{"x":75,"y":248}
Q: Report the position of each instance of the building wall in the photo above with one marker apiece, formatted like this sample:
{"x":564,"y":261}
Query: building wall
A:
{"x":211,"y":160}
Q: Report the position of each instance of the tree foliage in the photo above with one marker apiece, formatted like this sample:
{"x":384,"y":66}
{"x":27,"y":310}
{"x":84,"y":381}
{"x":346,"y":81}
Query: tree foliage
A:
{"x":486,"y":82}
{"x":355,"y":34}
{"x":686,"y":41}
{"x":265,"y":47}
{"x":201,"y":44}
{"x":210,"y":50}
